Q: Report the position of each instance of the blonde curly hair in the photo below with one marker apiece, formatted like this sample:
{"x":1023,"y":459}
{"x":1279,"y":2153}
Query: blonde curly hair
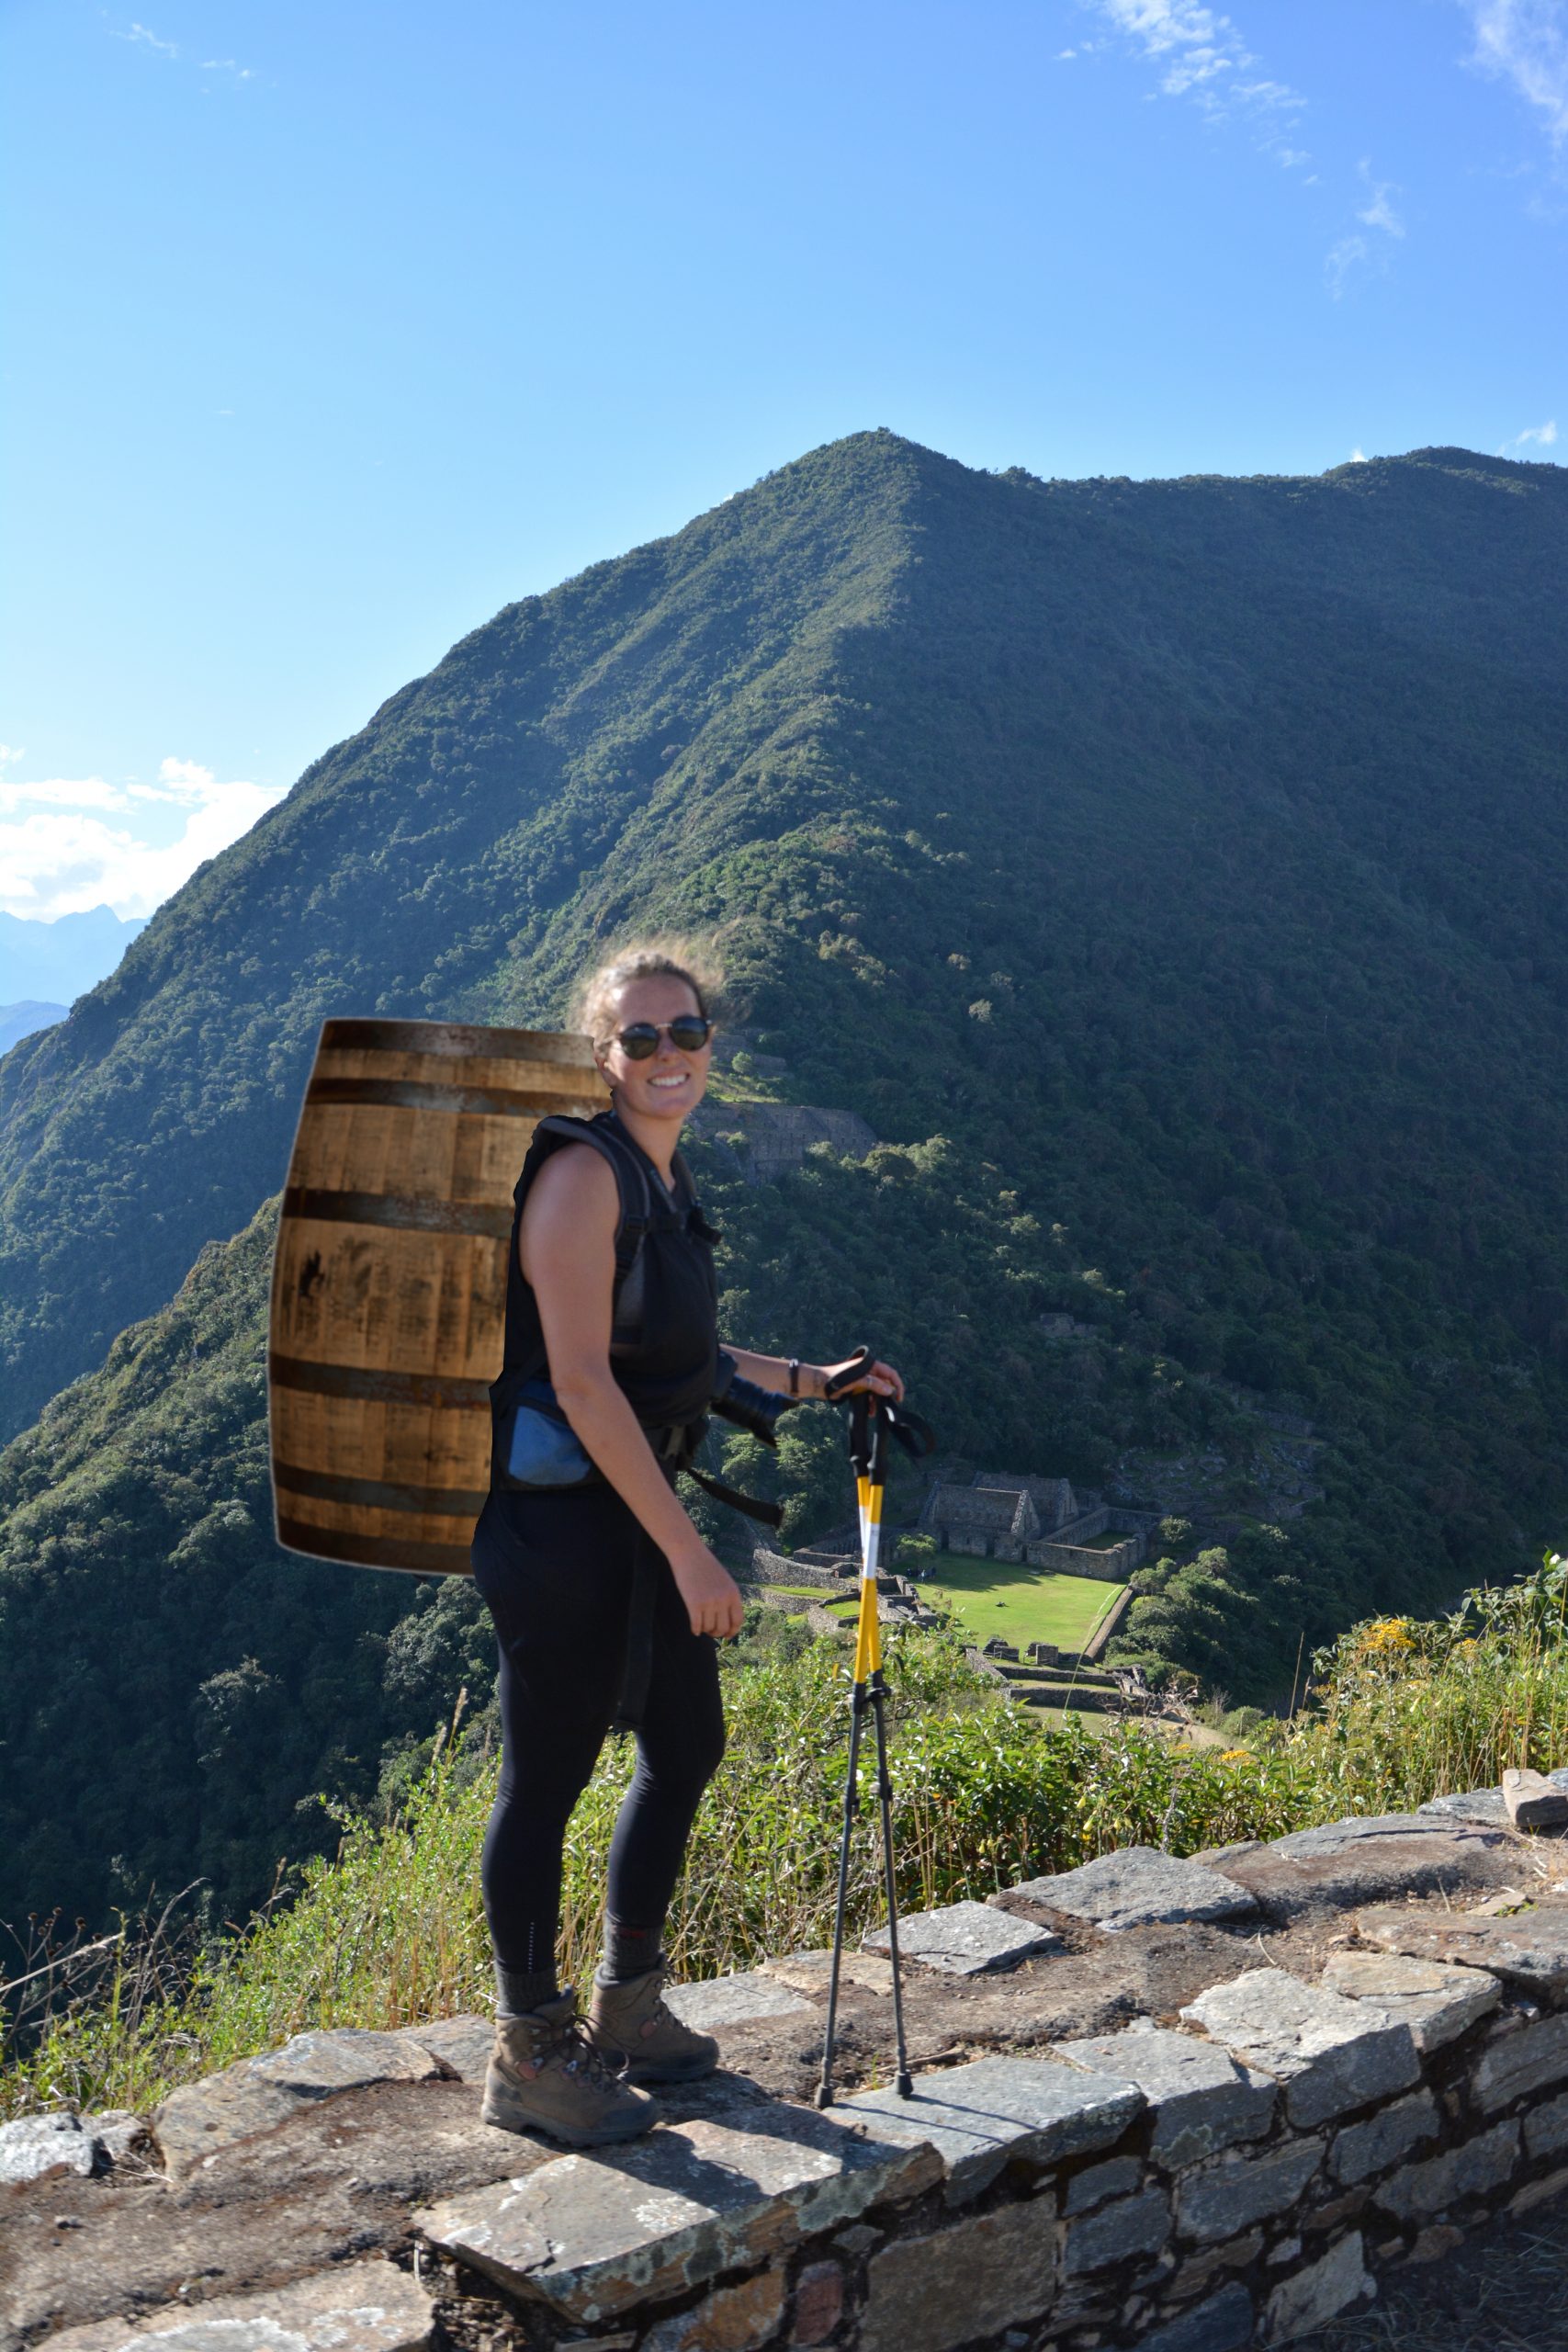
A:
{"x":593,"y":998}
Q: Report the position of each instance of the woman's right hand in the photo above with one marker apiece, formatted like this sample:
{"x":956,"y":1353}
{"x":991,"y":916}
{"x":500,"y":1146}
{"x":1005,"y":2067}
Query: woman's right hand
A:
{"x":711,"y":1594}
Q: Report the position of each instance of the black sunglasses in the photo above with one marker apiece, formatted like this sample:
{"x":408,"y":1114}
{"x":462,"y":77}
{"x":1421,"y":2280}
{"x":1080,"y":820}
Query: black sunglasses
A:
{"x":689,"y":1033}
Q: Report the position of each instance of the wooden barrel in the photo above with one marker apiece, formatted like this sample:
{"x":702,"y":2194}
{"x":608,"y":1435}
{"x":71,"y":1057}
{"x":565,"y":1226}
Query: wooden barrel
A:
{"x":389,"y":1285}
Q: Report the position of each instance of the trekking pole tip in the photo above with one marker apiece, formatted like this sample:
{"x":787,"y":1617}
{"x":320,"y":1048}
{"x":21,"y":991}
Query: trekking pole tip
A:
{"x":906,"y":2084}
{"x":824,"y":2095}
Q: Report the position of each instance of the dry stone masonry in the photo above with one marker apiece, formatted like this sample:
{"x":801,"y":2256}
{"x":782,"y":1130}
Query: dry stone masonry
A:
{"x":1183,"y":2105}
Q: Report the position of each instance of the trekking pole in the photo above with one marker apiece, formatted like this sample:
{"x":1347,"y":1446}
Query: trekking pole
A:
{"x":869,"y":1421}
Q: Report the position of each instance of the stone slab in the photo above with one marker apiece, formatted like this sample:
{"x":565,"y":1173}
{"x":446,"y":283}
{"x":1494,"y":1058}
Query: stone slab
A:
{"x":981,"y":2117}
{"x":1301,"y":2305}
{"x":734,"y":2319}
{"x":462,"y":2044}
{"x":1230,"y":2194}
{"x":1529,"y":1947}
{"x":1330,"y":2055}
{"x":934,"y":2293}
{"x":1139,"y":1887}
{"x":1533,"y":1802}
{"x":1546,"y":2127}
{"x":1530,"y":2060}
{"x":1116,"y":2234}
{"x":808,"y":1972}
{"x":1221,"y":2324}
{"x":1201,"y":2099}
{"x":35,"y":2144}
{"x":965,"y":1939}
{"x":1345,"y":1863}
{"x":594,"y":2234}
{"x":1117,"y":2176}
{"x":361,"y":2307}
{"x":1472,"y":2170}
{"x":1359,"y":1830}
{"x":1437,"y":2002}
{"x":201,"y":2118}
{"x":1362,"y":2149}
{"x":730,"y":2000}
{"x":1485,"y":1805}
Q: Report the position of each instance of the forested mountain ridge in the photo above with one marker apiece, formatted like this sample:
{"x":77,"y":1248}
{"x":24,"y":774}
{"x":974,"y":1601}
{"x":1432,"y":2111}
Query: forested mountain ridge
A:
{"x":407,"y":866}
{"x":1174,"y":877}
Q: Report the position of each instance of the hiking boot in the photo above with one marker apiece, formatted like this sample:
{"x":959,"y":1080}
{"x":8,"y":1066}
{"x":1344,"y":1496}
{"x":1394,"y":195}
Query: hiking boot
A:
{"x":545,"y":2074}
{"x":635,"y":2030}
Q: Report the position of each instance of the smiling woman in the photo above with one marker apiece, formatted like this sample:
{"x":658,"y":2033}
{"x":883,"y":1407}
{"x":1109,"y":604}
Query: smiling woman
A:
{"x":606,"y":1600}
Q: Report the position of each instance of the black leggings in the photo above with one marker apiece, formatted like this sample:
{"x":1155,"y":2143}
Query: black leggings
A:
{"x":556,"y":1571}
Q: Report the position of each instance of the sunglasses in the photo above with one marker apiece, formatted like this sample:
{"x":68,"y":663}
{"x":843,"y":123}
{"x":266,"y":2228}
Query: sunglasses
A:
{"x":689,"y":1033}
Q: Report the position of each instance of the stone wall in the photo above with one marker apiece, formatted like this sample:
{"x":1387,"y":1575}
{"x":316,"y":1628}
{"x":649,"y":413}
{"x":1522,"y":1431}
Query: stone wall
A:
{"x":1114,"y":1564}
{"x":1178,"y":2105}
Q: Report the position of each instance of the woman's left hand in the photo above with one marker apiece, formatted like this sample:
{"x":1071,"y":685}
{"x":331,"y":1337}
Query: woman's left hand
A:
{"x":880,"y":1378}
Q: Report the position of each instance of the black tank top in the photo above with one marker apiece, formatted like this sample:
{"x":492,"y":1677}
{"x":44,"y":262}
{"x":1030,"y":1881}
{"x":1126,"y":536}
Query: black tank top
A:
{"x":664,"y":1340}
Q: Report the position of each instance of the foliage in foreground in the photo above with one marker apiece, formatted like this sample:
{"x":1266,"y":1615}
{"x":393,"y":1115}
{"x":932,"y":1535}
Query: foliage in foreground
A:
{"x":391,"y":1931}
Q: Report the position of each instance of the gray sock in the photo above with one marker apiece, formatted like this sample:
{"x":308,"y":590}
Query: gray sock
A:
{"x":628,"y":1951}
{"x":519,"y":1991}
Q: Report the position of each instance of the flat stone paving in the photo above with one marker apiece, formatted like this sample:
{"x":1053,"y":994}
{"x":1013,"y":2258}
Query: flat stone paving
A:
{"x":1435,"y":2001}
{"x":730,"y":2000}
{"x":980,"y":2117}
{"x":1330,"y":2054}
{"x":1527,"y":1947}
{"x":965,"y":1939}
{"x":1203,"y":2098}
{"x":594,"y":2234}
{"x":201,"y":2118}
{"x":1140,"y":1887}
{"x":36,"y":2144}
{"x":363,"y":2307}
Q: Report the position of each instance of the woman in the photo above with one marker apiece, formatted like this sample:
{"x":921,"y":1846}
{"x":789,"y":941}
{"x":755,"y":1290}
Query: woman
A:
{"x":602,"y":1590}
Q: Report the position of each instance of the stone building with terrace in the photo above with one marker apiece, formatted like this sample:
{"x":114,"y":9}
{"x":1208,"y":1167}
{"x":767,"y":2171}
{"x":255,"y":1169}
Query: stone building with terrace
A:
{"x":1038,"y":1523}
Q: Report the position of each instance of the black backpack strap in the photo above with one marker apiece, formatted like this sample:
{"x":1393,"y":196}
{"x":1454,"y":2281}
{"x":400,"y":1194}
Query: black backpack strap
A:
{"x":640,"y":1210}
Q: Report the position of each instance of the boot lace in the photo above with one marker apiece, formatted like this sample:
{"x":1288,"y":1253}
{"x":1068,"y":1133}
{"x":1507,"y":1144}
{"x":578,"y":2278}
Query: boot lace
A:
{"x":579,"y":2054}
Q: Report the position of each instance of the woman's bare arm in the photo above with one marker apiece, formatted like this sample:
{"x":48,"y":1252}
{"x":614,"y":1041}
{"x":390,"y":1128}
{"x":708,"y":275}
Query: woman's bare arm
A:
{"x":568,"y":1250}
{"x":772,"y":1372}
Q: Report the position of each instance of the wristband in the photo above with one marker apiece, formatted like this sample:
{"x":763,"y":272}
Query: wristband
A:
{"x":794,"y":1375}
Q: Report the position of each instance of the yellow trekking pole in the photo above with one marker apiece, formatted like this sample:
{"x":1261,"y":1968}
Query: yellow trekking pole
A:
{"x":871,"y":1419}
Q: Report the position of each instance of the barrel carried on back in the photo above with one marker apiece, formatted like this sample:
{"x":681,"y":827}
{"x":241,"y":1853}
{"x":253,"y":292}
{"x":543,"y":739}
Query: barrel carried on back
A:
{"x":389,"y":1287}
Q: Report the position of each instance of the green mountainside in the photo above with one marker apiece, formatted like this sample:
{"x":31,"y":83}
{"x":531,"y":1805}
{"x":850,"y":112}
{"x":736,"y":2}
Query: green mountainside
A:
{"x":1171,"y":874}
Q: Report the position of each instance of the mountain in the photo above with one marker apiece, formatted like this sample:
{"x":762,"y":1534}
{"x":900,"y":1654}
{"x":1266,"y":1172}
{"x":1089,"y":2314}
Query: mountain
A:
{"x":61,"y":960}
{"x":18,"y":1021}
{"x":1169,"y":874}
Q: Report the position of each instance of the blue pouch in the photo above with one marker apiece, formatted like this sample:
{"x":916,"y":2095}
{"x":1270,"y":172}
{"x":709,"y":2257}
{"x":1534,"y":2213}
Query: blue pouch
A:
{"x":539,"y":1448}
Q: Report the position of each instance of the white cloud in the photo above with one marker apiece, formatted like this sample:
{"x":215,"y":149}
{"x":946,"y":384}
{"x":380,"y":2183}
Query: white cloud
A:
{"x":1200,"y":54}
{"x":1541,"y":436}
{"x":1525,"y":42}
{"x":144,"y":37}
{"x":1379,"y":213}
{"x":9,"y":752}
{"x":1358,"y":456}
{"x":60,"y":854}
{"x":150,"y":41}
{"x":1357,"y":251}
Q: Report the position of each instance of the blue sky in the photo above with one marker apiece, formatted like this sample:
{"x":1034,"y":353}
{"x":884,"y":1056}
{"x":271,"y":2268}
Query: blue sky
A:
{"x":335,"y":327}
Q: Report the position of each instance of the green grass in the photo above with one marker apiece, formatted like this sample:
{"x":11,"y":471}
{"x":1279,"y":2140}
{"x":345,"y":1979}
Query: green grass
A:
{"x":1021,"y":1604}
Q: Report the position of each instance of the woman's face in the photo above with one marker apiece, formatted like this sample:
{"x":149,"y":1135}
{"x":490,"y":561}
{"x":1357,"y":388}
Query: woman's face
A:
{"x":670,"y":1083}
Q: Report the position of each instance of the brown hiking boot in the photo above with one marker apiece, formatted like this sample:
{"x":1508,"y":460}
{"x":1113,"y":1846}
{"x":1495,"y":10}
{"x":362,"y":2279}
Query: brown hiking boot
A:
{"x":545,"y":2074}
{"x":635,"y":2030}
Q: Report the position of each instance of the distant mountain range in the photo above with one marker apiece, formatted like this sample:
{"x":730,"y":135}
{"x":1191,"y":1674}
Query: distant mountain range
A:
{"x":57,"y":962}
{"x":18,"y":1021}
{"x":1172,"y":875}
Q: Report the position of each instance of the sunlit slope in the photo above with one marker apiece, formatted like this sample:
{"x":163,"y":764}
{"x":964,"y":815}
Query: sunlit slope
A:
{"x":1173,"y":876}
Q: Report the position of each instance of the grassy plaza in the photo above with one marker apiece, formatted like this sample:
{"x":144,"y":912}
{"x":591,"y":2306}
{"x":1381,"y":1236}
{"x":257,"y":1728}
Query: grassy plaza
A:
{"x":1020,"y":1604}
